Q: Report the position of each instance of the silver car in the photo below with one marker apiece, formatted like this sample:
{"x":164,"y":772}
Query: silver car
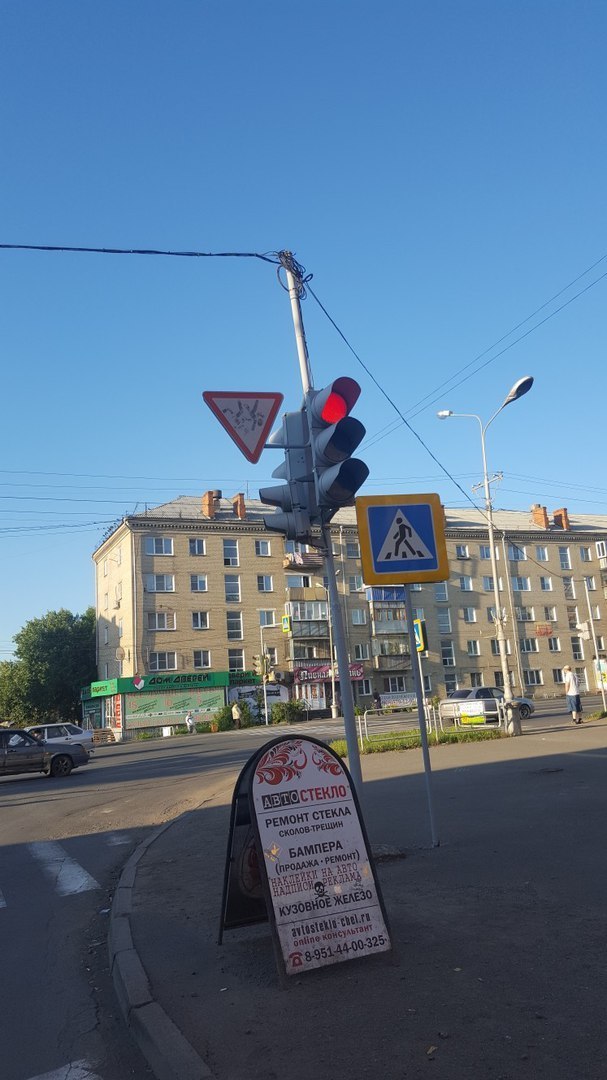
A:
{"x":63,"y":733}
{"x":491,"y":695}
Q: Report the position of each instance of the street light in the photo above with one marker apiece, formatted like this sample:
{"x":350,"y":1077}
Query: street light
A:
{"x":334,"y":706}
{"x":521,"y":387}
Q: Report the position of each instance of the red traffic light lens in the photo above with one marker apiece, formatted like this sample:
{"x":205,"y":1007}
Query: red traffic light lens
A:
{"x":334,"y":409}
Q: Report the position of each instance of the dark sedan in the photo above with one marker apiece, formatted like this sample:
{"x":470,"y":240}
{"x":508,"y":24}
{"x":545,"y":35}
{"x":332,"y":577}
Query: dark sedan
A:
{"x":22,"y":753}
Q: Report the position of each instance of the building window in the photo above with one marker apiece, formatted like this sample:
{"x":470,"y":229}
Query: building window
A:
{"x":533,"y":677}
{"x":461,"y":551}
{"x":444,"y":621}
{"x":550,"y":613}
{"x":362,"y":687}
{"x":554,"y":644}
{"x":200,"y":620}
{"x":230,"y":553}
{"x":106,"y":635}
{"x":595,"y":611}
{"x":198,"y":582}
{"x":546,"y":584}
{"x":265,"y":583}
{"x":395,"y":684}
{"x":415,"y":587}
{"x":577,"y":648}
{"x":465,"y":583}
{"x":447,"y":653}
{"x":355,"y":583}
{"x":359,"y":616}
{"x":118,"y":591}
{"x":120,"y":628}
{"x":272,"y":654}
{"x":161,"y":620}
{"x":440,"y":592}
{"x":491,"y":614}
{"x":158,"y":545}
{"x":105,"y":568}
{"x":469,"y":614}
{"x":352,"y":549}
{"x":106,"y":601}
{"x":528,"y":645}
{"x":516,"y":553}
{"x":160,"y":582}
{"x":202,"y":658}
{"x":600,"y":642}
{"x":541,"y":553}
{"x":495,"y":647}
{"x":525,"y":614}
{"x":262,"y":548}
{"x":484,"y":551}
{"x":585,"y":554}
{"x":235,"y":660}
{"x":569,"y":588}
{"x":476,"y":678}
{"x":488,"y":583}
{"x":572,"y":617}
{"x":427,"y":684}
{"x":232,"y":588}
{"x":450,"y":682}
{"x":106,"y":671}
{"x":234,"y":625}
{"x":557,"y":676}
{"x":197,"y":546}
{"x":267,"y":618}
{"x":298,"y":581}
{"x":163,"y":661}
{"x":361,"y":651}
{"x":590,"y":584}
{"x":473,"y":648}
{"x":564,"y":558}
{"x":521,"y":584}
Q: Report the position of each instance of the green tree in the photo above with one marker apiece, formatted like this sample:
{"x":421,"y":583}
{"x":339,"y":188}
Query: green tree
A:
{"x":57,"y":658}
{"x":13,"y":693}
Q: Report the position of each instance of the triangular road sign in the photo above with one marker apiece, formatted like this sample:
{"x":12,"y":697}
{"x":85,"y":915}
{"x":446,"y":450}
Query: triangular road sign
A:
{"x":246,"y":417}
{"x":402,"y":541}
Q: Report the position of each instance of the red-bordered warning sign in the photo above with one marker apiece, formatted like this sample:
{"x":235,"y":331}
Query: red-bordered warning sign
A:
{"x":247,"y":417}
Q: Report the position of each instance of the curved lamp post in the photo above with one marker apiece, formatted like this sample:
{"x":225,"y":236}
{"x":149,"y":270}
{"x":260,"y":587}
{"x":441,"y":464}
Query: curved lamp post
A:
{"x":521,"y":387}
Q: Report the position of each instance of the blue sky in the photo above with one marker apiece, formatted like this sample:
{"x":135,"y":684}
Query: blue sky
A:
{"x":439,"y":168}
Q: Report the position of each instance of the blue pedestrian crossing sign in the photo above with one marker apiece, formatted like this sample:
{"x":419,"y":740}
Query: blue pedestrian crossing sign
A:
{"x":402,"y":539}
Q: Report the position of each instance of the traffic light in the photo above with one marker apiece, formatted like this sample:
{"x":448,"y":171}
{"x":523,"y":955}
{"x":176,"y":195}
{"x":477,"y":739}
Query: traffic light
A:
{"x":295,"y":498}
{"x":258,"y":665}
{"x":334,"y":436}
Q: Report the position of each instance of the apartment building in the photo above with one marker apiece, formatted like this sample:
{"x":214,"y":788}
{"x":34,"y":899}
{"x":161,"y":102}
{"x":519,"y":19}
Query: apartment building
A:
{"x":197,"y":587}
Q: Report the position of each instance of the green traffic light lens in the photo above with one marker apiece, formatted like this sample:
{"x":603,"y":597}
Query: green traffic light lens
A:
{"x":334,"y":409}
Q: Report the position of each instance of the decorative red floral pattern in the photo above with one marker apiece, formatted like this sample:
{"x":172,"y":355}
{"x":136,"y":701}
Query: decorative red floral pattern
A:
{"x":326,"y":762}
{"x":282,"y":762}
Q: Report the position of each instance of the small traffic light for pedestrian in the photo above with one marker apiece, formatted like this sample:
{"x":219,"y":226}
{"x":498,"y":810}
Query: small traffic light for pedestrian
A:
{"x":334,"y":436}
{"x":296,"y":497}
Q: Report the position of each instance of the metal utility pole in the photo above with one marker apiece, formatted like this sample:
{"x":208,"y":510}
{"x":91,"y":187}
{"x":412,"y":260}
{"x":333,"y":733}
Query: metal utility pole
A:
{"x":421,"y":712}
{"x":339,"y":638}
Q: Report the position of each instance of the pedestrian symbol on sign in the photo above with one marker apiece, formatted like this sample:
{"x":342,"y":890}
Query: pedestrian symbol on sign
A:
{"x":402,"y":542}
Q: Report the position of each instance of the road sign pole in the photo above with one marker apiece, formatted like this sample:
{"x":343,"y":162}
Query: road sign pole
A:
{"x":421,"y":712}
{"x":343,"y":665}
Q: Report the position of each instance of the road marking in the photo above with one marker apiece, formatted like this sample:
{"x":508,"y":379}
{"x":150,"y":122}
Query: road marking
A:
{"x":66,"y":874}
{"x":76,"y":1070}
{"x":115,"y":838}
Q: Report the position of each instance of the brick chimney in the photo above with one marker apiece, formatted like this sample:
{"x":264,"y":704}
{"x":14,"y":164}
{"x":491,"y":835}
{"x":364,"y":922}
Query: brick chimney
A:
{"x":208,"y":504}
{"x":561,"y":519}
{"x":539,"y":516}
{"x":238,"y":505}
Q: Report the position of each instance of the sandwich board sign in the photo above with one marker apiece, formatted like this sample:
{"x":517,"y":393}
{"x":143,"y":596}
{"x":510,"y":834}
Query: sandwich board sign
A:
{"x":402,"y":539}
{"x":247,"y":417}
{"x":298,"y":855}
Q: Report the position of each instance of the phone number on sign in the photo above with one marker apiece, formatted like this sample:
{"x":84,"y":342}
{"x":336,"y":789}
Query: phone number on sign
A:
{"x":375,"y":942}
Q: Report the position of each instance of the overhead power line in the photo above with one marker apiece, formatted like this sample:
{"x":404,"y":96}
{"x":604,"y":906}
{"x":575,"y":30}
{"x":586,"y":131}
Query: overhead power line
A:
{"x":267,"y":256}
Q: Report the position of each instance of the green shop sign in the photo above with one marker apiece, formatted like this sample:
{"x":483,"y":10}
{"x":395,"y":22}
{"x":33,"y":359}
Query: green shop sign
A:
{"x":164,"y":680}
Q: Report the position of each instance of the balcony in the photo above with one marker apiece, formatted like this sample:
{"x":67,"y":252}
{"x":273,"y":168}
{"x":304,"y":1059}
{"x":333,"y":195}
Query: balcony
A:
{"x":317,"y":628}
{"x":396,"y":662}
{"x":302,"y":563}
{"x":389,"y":626}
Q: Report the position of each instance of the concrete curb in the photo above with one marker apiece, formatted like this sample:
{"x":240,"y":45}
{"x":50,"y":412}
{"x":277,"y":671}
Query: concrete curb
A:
{"x":169,"y":1054}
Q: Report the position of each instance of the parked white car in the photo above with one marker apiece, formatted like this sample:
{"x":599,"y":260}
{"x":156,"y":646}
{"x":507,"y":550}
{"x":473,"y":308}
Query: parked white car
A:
{"x":490,"y":695}
{"x":64,"y":733}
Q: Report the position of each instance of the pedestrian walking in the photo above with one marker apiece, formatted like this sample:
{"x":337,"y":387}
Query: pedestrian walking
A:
{"x":572,"y":690}
{"x":189,"y":723}
{"x":236,"y":714}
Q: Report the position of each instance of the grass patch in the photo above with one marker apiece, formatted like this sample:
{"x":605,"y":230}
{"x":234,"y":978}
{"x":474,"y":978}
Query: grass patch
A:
{"x":410,"y":740}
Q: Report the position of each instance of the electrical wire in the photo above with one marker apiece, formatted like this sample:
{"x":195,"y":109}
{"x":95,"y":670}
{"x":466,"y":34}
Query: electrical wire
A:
{"x":269,"y":257}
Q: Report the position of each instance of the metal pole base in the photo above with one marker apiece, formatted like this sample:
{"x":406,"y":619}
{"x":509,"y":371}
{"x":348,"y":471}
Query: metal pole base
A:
{"x":513,"y":719}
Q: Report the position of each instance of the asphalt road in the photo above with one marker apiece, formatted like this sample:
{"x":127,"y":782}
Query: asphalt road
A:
{"x":64,"y":844}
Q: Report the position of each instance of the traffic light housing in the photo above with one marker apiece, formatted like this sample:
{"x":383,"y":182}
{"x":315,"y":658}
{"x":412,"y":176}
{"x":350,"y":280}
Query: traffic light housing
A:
{"x":296,"y":497}
{"x":258,"y":665}
{"x":334,"y":436}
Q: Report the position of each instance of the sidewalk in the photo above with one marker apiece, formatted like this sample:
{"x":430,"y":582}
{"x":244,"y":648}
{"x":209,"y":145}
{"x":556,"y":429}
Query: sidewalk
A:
{"x":498,"y":970}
